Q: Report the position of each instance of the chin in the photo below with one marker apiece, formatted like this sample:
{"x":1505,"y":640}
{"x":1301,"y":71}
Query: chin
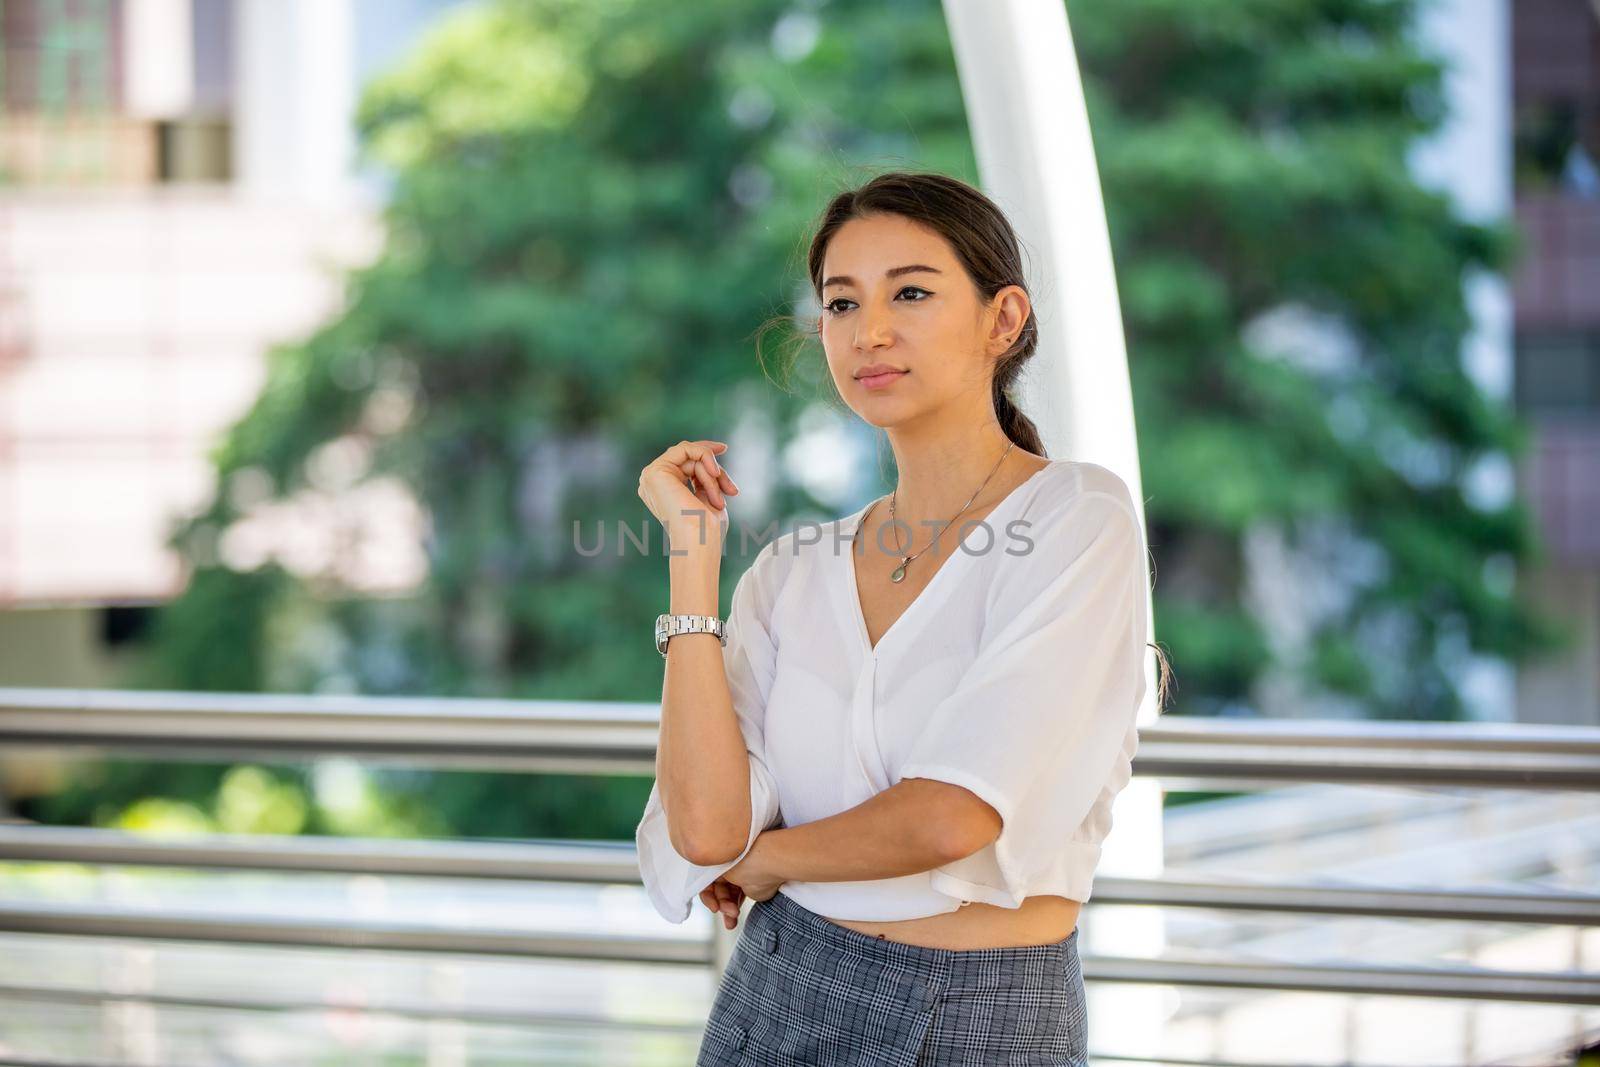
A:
{"x":884,"y":414}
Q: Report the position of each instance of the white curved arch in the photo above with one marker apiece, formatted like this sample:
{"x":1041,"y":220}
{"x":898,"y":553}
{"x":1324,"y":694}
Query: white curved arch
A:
{"x":1030,"y":132}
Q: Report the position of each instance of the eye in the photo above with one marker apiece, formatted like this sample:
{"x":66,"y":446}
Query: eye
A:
{"x":828,"y":307}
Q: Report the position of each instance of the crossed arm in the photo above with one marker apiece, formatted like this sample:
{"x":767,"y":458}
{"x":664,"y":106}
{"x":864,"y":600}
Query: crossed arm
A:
{"x":915,"y":825}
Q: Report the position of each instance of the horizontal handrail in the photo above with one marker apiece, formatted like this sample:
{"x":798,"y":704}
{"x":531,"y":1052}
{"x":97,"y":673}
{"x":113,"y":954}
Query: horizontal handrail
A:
{"x":1549,"y":908}
{"x":97,"y":920}
{"x":1479,"y":983}
{"x":545,"y":736}
{"x":465,"y":1012}
{"x":616,"y":737}
{"x":611,"y":863}
{"x":594,"y":862}
{"x":619,"y":738}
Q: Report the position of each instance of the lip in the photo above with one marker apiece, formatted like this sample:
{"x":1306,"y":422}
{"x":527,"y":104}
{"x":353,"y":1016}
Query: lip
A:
{"x":879,"y":375}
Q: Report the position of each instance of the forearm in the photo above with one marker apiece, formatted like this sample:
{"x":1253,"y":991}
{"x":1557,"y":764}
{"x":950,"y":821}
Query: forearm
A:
{"x":702,"y":765}
{"x":896,"y":832}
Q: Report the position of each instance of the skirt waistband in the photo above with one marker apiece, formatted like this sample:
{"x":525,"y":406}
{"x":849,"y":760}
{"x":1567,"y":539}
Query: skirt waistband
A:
{"x":779,"y":915}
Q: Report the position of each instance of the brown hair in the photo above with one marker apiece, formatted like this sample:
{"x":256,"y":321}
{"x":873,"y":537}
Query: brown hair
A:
{"x":987,"y":248}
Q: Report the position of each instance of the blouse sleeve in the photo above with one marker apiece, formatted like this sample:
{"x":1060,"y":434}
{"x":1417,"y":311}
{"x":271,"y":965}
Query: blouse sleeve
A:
{"x":1045,"y":717}
{"x":671,"y":881}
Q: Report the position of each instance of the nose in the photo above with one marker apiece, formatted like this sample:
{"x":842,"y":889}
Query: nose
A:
{"x":873,"y":327}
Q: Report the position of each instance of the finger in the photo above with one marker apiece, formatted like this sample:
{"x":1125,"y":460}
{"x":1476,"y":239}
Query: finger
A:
{"x":687,"y":451}
{"x":703,"y":494}
{"x":704,"y":458}
{"x":703,"y":469}
{"x":732,"y":907}
{"x":712,"y":475}
{"x":698,"y":460}
{"x":717,"y":469}
{"x":699,"y":483}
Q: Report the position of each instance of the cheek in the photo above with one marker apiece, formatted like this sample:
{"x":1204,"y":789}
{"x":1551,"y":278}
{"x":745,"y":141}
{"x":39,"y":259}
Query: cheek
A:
{"x":836,"y":351}
{"x":837,"y":368}
{"x":835,"y":338}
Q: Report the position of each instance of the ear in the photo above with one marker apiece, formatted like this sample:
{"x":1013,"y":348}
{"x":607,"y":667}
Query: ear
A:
{"x":1010,"y":309}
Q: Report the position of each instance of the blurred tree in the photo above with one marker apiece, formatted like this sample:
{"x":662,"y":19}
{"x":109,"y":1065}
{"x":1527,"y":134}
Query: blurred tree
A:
{"x":1295,"y":317}
{"x":595,"y":203}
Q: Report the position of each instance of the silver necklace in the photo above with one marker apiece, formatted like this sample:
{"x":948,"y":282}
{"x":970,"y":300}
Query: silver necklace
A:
{"x":900,"y":572}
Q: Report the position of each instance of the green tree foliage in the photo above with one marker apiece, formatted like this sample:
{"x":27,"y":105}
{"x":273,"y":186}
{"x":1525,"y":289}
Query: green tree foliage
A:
{"x":595,"y":205}
{"x":1253,"y":155}
{"x":596,"y":202}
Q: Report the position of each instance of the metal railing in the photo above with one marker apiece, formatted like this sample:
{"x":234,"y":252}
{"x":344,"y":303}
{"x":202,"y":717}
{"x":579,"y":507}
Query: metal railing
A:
{"x":619,"y":738}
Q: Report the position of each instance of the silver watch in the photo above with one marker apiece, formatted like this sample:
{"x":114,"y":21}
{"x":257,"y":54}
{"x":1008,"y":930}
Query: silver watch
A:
{"x":668,"y":625}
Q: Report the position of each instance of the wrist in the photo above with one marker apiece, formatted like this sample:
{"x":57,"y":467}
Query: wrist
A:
{"x":694,"y":533}
{"x":768,"y":854}
{"x":696,"y":579}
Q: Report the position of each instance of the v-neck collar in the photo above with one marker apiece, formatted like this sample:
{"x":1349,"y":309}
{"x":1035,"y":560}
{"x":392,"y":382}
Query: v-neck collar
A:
{"x":851,"y":588}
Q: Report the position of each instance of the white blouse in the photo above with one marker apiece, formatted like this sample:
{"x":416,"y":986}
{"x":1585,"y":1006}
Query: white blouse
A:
{"x":1017,"y":672}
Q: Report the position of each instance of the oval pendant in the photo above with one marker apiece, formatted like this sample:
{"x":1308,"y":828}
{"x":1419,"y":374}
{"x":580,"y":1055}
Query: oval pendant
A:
{"x":899,"y":573}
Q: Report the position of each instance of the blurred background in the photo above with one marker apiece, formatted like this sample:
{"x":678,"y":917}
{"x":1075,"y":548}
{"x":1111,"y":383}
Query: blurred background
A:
{"x":326,"y":326}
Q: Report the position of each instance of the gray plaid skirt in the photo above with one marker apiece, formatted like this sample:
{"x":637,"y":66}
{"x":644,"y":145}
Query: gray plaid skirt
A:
{"x":800,"y":989}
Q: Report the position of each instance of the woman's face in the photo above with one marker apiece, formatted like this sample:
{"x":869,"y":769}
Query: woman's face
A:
{"x":894,"y":295}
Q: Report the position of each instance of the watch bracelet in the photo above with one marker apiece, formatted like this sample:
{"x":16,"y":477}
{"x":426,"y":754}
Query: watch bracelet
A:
{"x":670,"y":625}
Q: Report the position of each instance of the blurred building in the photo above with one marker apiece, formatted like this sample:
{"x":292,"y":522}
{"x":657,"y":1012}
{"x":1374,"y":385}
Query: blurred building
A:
{"x":1556,"y":102}
{"x":178,"y":192}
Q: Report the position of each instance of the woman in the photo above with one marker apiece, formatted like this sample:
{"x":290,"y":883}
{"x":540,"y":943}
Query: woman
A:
{"x":904,"y":752}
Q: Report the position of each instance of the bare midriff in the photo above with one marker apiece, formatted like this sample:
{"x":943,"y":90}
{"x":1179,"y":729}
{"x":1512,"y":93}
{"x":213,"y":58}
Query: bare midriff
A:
{"x":1039,"y":921}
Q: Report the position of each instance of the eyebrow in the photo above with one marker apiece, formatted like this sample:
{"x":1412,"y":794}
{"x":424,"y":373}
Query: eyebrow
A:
{"x":892,"y":272}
